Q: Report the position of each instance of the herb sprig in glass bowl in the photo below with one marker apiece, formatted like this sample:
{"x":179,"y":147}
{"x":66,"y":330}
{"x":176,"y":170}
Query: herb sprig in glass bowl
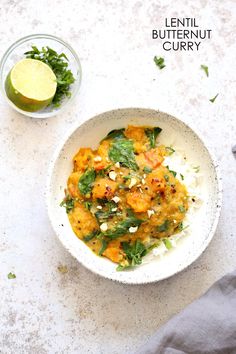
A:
{"x":60,"y":57}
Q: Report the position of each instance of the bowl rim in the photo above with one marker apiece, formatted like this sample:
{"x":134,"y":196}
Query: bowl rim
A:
{"x":218,"y":207}
{"x":12,"y":47}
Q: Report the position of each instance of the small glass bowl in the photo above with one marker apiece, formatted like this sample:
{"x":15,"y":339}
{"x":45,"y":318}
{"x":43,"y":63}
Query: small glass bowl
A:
{"x":16,"y":52}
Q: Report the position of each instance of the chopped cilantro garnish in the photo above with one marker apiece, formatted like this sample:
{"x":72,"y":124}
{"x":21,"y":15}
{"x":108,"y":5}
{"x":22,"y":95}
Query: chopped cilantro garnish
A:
{"x":167,"y":243}
{"x":182,"y":177}
{"x":88,"y":205}
{"x":182,"y":209}
{"x":205,"y":68}
{"x":173,"y":172}
{"x":159,"y":62}
{"x":163,"y":227}
{"x":68,"y":203}
{"x":212,"y":100}
{"x":196,"y":168}
{"x":166,"y":178}
{"x":147,"y":169}
{"x":170,"y":150}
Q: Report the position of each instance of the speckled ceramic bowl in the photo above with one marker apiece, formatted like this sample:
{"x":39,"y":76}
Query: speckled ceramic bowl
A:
{"x":204,"y":221}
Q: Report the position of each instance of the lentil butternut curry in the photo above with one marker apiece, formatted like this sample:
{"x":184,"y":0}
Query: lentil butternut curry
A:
{"x":121,"y":200}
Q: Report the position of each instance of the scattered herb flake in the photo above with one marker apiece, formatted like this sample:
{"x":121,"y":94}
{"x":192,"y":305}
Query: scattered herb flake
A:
{"x":159,"y":62}
{"x":170,"y":150}
{"x":147,"y":169}
{"x":11,"y":275}
{"x":166,"y":178}
{"x":205,"y":68}
{"x":62,"y":269}
{"x":182,"y":209}
{"x":181,"y":176}
{"x":88,"y":205}
{"x":196,"y":169}
{"x":212,"y":100}
{"x":163,"y":227}
{"x":173,"y":172}
{"x":167,"y":243}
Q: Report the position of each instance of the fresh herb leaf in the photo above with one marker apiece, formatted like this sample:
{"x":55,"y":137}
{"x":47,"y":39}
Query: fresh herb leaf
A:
{"x":91,"y":235}
{"x":62,"y":269}
{"x":166,"y":178}
{"x":88,"y":205}
{"x":11,"y":275}
{"x":103,"y":215}
{"x":68,"y":203}
{"x":196,"y":169}
{"x":212,"y":100}
{"x":163,"y":227}
{"x":115,"y":134}
{"x":103,"y":247}
{"x":182,"y":177}
{"x":181,"y":226}
{"x":167,"y":243}
{"x":170,"y":150}
{"x":182,"y":209}
{"x":173,"y":172}
{"x":122,"y":227}
{"x":59,"y":65}
{"x":152,"y":135}
{"x":134,"y":252}
{"x":122,"y":151}
{"x":159,"y":62}
{"x":205,"y":68}
{"x":147,"y":169}
{"x":86,"y":181}
{"x":102,"y":173}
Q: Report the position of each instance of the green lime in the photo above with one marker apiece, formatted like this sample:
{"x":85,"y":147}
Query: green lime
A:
{"x":31,"y":85}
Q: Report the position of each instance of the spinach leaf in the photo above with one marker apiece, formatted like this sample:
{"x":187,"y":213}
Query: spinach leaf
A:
{"x":68,"y":203}
{"x":122,"y":227}
{"x":134,"y":252}
{"x":115,"y":134}
{"x":86,"y":181}
{"x":122,"y":151}
{"x":152,"y":135}
{"x":163,"y":227}
{"x":91,"y":235}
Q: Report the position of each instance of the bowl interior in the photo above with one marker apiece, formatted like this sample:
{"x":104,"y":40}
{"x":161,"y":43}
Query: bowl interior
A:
{"x":174,"y":132}
{"x":16,"y":53}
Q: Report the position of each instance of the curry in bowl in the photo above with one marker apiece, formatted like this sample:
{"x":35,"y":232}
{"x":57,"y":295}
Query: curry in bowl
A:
{"x":121,"y":200}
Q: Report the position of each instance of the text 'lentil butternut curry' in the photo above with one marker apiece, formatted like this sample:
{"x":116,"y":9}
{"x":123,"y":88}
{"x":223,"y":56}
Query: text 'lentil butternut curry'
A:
{"x":121,"y":200}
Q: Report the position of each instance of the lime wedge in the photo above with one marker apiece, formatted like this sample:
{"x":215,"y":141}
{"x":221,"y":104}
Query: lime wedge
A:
{"x":31,"y":85}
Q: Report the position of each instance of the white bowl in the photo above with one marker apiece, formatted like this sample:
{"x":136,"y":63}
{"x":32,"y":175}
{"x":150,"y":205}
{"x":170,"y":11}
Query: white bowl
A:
{"x":203,"y":224}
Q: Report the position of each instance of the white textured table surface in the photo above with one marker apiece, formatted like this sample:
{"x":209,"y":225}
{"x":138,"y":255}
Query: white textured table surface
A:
{"x":42,"y":310}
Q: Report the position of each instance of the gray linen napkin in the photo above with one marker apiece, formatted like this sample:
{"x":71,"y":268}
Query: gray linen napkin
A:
{"x":207,"y":326}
